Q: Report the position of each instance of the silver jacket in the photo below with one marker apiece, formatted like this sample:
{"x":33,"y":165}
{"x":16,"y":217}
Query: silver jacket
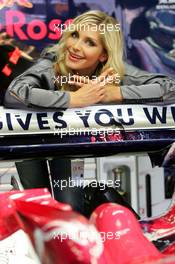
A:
{"x":36,"y":88}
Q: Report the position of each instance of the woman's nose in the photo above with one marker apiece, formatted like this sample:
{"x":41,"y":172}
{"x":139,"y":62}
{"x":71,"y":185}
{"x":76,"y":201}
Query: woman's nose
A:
{"x":77,"y":45}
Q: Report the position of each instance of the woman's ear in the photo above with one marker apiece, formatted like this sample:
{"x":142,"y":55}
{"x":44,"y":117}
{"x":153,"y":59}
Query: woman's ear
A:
{"x":103,"y":57}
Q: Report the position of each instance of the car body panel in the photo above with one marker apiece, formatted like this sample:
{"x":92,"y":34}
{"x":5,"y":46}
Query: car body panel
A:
{"x":98,"y":130}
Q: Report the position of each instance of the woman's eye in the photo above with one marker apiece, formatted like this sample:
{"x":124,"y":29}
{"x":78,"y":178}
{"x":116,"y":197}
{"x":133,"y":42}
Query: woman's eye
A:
{"x":90,"y":42}
{"x":74,"y":34}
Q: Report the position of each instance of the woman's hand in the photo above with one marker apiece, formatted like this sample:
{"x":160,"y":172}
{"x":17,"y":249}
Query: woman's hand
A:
{"x":95,"y":91}
{"x":87,"y":94}
{"x":90,"y":91}
{"x":112,"y":94}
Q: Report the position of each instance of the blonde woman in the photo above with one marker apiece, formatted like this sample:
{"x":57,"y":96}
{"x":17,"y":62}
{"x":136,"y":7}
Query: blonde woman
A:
{"x":86,"y":67}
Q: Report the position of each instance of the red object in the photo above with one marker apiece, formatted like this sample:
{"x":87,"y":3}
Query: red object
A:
{"x":14,"y":55}
{"x":170,"y":250}
{"x":157,"y":227}
{"x":9,"y":219}
{"x":123,"y":239}
{"x":117,"y":136}
{"x":93,"y":139}
{"x":58,"y":234}
{"x":61,"y":237}
{"x":13,"y":58}
{"x":6,"y":70}
{"x":41,"y":196}
{"x":15,"y":245}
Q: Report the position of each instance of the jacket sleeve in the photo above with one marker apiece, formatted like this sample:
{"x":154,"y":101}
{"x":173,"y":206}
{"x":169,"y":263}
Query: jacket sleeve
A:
{"x":138,"y":84}
{"x":35,"y":88}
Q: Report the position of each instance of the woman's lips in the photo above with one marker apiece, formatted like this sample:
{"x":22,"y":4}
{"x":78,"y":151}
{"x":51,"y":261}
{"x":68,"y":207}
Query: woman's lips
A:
{"x":74,"y":57}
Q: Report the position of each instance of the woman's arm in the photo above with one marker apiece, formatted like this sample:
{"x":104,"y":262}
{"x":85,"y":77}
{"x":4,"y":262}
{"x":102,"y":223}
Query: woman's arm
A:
{"x":138,"y":84}
{"x":35,"y":88}
{"x":24,"y":94}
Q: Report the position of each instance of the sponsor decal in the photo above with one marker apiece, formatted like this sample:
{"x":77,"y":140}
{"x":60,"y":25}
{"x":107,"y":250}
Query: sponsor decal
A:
{"x":113,"y":117}
{"x":36,"y":29}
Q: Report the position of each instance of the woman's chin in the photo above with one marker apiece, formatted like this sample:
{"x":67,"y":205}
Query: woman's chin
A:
{"x":72,"y":65}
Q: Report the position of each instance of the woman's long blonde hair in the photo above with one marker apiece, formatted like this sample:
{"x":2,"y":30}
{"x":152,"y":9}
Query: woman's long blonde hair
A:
{"x":112,"y":40}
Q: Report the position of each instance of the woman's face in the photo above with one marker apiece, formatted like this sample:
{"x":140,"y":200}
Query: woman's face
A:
{"x":84,"y":51}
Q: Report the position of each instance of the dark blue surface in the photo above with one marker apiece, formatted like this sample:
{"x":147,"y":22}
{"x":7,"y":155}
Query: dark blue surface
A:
{"x":52,"y":146}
